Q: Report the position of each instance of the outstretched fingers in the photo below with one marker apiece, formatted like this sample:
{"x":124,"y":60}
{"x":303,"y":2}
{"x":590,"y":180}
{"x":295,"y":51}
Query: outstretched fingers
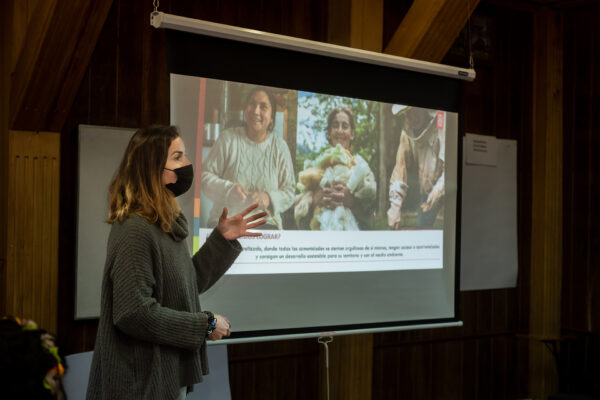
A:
{"x":224,"y":213}
{"x":256,"y":216}
{"x":258,"y":221}
{"x":255,"y":224}
{"x":248,"y":210}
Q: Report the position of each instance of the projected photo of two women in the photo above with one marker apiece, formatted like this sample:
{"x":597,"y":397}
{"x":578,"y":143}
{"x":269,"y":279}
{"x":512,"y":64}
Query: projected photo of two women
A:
{"x":348,"y":184}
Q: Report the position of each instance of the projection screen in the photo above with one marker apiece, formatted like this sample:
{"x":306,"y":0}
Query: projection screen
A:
{"x":388,"y":261}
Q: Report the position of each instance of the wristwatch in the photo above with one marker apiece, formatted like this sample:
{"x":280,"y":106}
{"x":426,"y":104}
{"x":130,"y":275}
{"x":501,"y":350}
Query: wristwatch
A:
{"x":212,"y":322}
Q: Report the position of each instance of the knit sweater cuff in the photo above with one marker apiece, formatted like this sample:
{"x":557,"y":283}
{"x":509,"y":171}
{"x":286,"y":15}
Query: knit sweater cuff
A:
{"x":221,"y":241}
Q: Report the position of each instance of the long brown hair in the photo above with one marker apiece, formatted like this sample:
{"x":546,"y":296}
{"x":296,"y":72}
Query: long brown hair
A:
{"x":137,"y":187}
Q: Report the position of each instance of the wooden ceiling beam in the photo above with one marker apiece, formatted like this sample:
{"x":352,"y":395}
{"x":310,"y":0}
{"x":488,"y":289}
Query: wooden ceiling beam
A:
{"x":430,"y":28}
{"x":60,"y":40}
{"x":366,"y":24}
{"x":356,"y":23}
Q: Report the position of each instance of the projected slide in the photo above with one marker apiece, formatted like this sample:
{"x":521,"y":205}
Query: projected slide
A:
{"x":348,"y":184}
{"x":356,"y":164}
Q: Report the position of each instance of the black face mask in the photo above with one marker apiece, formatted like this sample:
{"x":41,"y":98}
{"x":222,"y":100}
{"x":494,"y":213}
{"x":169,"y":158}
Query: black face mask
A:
{"x":185,"y":177}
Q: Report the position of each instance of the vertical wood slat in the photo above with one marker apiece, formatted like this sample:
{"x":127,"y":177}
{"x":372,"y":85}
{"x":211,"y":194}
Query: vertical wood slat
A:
{"x":546,"y":232}
{"x":592,"y":301}
{"x":129,"y":65}
{"x":350,"y":368}
{"x":356,"y":23}
{"x":575,"y":55}
{"x":274,"y":370}
{"x":366,"y":24}
{"x":103,"y":69}
{"x":155,"y":106}
{"x":338,"y":22}
{"x":581,"y":275}
{"x":32,"y":254}
{"x":15,"y":19}
{"x":447,"y":358}
{"x":4,"y":89}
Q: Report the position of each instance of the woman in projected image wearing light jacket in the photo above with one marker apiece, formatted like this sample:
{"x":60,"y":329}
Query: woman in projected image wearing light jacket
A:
{"x":151,"y":341}
{"x":250,"y":164}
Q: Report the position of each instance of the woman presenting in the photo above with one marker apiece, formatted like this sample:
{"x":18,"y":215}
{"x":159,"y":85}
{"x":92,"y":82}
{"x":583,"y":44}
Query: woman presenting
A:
{"x":250,"y":164}
{"x":151,"y":341}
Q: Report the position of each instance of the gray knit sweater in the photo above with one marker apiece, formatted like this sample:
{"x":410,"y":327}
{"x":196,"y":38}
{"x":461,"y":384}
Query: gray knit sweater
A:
{"x":151,"y":333}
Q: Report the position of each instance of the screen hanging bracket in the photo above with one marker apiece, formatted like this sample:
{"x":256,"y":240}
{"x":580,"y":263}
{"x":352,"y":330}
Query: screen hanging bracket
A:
{"x":159,"y":19}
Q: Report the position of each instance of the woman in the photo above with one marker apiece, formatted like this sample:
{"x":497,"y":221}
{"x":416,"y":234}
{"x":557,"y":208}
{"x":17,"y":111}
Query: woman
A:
{"x":338,"y":189}
{"x":250,"y":164}
{"x":151,"y":341}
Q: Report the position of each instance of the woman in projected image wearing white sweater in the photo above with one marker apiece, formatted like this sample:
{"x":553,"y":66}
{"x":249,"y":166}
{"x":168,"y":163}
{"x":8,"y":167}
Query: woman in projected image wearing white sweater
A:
{"x":151,"y":341}
{"x":250,"y":164}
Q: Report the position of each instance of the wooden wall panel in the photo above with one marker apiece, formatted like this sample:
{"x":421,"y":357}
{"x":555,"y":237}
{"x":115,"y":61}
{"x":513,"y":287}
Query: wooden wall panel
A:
{"x":579,"y":364}
{"x":32,"y":256}
{"x":276,"y":370}
{"x":15,"y":19}
{"x":155,"y":77}
{"x":581,"y":274}
{"x":579,"y":351}
{"x":40,"y":94}
{"x":486,"y":358}
{"x":5,"y":38}
{"x":129,"y":65}
{"x":546,"y":230}
{"x":350,"y":368}
{"x":593,"y":289}
{"x":448,"y":359}
{"x":103,"y":72}
{"x":476,"y":368}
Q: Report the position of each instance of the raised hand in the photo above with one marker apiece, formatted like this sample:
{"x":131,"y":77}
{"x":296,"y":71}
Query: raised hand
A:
{"x":237,"y":226}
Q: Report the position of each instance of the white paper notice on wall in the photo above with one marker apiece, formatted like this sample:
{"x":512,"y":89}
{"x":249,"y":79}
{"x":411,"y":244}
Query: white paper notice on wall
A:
{"x":481,"y":150}
{"x":489,"y":221}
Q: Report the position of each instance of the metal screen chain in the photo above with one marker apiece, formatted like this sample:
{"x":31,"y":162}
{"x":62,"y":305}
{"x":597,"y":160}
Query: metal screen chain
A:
{"x":469,"y":47}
